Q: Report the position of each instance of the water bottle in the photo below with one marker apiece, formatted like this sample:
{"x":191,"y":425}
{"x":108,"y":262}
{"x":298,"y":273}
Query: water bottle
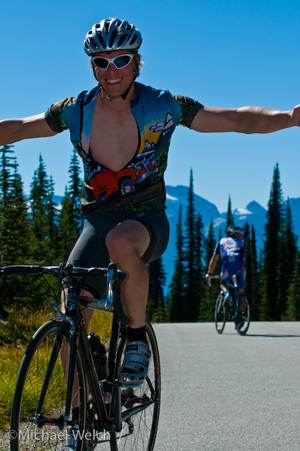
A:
{"x":99,"y":356}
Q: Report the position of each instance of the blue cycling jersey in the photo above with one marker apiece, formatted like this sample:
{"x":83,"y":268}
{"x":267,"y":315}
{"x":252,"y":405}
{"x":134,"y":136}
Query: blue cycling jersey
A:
{"x":230,"y":250}
{"x":139,"y":186}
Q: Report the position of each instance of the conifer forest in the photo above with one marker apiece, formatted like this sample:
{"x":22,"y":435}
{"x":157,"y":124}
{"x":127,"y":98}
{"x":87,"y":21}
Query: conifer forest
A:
{"x":35,"y":230}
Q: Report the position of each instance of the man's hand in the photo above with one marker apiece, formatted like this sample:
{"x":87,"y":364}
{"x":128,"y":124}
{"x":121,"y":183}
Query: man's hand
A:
{"x":296,"y":115}
{"x":207,"y":278}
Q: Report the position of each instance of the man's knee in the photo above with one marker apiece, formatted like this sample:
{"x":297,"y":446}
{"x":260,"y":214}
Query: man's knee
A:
{"x":126,"y":240}
{"x":118,"y":243}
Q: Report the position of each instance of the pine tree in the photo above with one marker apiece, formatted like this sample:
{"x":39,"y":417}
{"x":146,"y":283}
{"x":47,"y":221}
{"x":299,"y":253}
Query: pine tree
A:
{"x":156,"y":302}
{"x":70,"y":218}
{"x":293,"y":299}
{"x":255,"y":277}
{"x":14,"y":227}
{"x":52,"y":221}
{"x":192,"y":282}
{"x":251,"y":286}
{"x":229,"y":217}
{"x":286,"y":261}
{"x":175,"y":295}
{"x":269,"y":292}
{"x":15,"y":234}
{"x":39,"y":217}
{"x":210,"y":293}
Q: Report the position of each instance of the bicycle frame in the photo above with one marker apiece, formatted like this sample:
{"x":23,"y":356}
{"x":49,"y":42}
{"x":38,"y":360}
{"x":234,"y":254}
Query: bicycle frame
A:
{"x":233,"y":285}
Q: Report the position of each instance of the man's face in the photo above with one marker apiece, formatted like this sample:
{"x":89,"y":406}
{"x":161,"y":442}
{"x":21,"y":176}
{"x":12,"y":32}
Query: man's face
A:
{"x":115,"y":81}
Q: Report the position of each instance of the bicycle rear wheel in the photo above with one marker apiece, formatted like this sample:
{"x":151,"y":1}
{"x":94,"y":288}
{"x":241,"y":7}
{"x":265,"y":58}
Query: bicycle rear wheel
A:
{"x":242,"y":321}
{"x":220,"y":313}
{"x":39,"y":423}
{"x":139,"y":431}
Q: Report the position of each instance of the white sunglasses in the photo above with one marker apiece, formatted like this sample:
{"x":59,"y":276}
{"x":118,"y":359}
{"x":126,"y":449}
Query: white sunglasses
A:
{"x":119,"y":61}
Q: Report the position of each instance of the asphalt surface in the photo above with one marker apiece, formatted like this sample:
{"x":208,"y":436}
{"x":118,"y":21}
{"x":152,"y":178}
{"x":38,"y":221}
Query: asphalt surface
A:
{"x":229,"y":392}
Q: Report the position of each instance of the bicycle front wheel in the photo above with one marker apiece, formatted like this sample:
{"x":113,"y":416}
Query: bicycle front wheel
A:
{"x":38,"y":411}
{"x":220,"y":313}
{"x":139,"y":431}
{"x":242,"y":321}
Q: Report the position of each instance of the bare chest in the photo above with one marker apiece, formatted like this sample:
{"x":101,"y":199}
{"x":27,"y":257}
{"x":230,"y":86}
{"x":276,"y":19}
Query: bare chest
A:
{"x":114,"y":139}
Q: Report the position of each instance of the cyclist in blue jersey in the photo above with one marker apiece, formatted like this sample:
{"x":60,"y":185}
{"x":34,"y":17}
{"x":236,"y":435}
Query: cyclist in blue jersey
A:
{"x":122,"y":130}
{"x":232,"y":251}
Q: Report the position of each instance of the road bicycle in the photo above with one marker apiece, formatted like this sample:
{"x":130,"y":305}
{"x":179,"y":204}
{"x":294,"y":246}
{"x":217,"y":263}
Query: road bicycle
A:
{"x":111,"y":416}
{"x":236,"y":310}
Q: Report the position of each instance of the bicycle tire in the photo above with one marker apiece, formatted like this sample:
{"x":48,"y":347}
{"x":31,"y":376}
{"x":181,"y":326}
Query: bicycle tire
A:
{"x":139,"y":433}
{"x":220,"y":313}
{"x":45,"y":434}
{"x":242,"y":322}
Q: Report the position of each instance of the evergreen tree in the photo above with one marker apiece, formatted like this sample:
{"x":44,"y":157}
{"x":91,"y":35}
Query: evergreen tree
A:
{"x":75,"y":189}
{"x":200,"y":242}
{"x":175,"y":296}
{"x":14,"y":227}
{"x":39,"y":216}
{"x":157,"y":280}
{"x":255,"y":277}
{"x":269,"y":291}
{"x":191,"y":283}
{"x":70,"y":217}
{"x":210,"y":293}
{"x":293,"y":299}
{"x":251,"y":286}
{"x":52,"y":220}
{"x":286,"y":261}
{"x":15,"y":234}
{"x":229,"y":217}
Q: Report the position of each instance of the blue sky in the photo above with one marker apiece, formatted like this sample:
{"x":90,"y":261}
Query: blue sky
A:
{"x":222,"y":53}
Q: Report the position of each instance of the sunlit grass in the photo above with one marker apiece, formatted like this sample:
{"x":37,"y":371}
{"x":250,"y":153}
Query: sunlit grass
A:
{"x":14,"y":337}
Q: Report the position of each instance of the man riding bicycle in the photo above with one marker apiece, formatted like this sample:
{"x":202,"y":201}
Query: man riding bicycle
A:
{"x":122,"y":131}
{"x":232,"y":251}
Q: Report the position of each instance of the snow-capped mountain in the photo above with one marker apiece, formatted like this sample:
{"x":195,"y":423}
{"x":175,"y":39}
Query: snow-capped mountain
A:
{"x":254,"y":214}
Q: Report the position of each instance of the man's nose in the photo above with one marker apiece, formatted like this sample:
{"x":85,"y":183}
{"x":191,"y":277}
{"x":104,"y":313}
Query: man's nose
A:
{"x":111,"y":67}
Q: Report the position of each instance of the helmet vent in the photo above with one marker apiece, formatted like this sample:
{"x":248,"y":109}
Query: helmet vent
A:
{"x":112,"y":38}
{"x":99,"y":34}
{"x":128,"y":27}
{"x":93,"y":42}
{"x":97,"y":25}
{"x":122,"y":39}
{"x":107,"y":25}
{"x":133,"y":39}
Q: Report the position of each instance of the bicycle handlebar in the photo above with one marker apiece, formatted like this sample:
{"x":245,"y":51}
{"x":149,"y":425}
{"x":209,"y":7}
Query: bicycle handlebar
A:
{"x":212,"y":277}
{"x":114,"y":279}
{"x":62,"y":271}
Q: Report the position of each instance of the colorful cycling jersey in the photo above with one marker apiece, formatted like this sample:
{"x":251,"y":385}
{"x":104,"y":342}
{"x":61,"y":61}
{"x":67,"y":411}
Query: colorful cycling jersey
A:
{"x":230,"y":250}
{"x":140,"y":185}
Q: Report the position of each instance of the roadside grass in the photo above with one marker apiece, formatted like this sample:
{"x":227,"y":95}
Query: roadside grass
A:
{"x":14,"y":337}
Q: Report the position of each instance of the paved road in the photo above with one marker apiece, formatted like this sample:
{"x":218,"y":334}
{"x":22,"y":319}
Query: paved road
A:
{"x":227,"y":392}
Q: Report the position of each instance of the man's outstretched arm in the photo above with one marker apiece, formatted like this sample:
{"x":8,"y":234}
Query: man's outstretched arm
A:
{"x":247,"y":120}
{"x":13,"y":130}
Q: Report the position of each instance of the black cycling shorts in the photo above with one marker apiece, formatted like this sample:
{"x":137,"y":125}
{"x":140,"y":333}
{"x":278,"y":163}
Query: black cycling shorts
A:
{"x":91,"y":249}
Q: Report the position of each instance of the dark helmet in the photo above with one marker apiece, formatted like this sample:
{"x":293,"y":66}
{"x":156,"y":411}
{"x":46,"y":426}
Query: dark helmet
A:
{"x":232,"y":229}
{"x":112,"y":34}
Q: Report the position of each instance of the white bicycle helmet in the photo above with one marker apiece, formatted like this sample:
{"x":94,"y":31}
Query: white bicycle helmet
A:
{"x":112,"y":34}
{"x":232,"y":229}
